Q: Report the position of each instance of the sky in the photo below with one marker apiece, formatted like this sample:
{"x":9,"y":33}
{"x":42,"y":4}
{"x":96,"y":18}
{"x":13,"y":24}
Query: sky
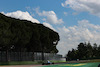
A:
{"x":75,"y":20}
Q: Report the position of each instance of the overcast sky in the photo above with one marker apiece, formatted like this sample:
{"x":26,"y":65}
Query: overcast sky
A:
{"x":75,"y":20}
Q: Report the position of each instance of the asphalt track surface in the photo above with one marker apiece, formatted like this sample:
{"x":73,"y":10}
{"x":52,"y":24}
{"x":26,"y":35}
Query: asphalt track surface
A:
{"x":60,"y":65}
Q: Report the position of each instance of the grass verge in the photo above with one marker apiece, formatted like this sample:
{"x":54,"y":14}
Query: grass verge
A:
{"x":40,"y":62}
{"x":85,"y":61}
{"x":20,"y":63}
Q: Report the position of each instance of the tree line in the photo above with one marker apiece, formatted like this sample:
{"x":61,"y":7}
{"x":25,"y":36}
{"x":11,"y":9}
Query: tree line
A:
{"x":22,"y":35}
{"x":84,"y":51}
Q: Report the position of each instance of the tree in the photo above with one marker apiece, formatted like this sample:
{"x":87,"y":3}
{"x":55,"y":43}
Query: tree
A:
{"x":95,"y":50}
{"x":89,"y":51}
{"x":85,"y":51}
{"x":21,"y":35}
{"x":81,"y":50}
{"x":98,"y":55}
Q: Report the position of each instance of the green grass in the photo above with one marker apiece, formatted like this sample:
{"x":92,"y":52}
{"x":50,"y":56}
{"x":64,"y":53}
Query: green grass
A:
{"x":85,"y":61}
{"x":40,"y":62}
{"x":25,"y":62}
{"x":20,"y":63}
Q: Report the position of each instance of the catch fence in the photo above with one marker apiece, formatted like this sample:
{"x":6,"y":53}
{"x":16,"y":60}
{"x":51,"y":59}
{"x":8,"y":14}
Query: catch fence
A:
{"x":27,"y":56}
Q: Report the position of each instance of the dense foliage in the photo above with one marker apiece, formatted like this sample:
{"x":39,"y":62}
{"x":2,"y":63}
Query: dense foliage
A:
{"x":84,"y":51}
{"x":22,"y":35}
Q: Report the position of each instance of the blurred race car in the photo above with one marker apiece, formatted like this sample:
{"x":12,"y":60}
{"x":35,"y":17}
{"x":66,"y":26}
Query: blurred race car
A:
{"x":47,"y":62}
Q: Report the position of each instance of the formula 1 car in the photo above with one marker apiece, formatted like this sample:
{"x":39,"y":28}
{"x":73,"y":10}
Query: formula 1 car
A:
{"x":47,"y":63}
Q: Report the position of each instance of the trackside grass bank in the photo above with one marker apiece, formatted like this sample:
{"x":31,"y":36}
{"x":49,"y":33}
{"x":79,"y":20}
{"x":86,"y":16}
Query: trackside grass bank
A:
{"x":21,"y":63}
{"x":84,"y":61}
{"x":26,"y":62}
{"x":40,"y":62}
